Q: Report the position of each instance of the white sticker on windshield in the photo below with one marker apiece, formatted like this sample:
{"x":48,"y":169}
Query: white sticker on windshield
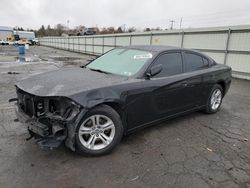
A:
{"x":128,"y":73}
{"x":143,"y":56}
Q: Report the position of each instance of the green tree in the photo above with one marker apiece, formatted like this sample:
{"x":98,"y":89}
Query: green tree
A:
{"x":41,"y":32}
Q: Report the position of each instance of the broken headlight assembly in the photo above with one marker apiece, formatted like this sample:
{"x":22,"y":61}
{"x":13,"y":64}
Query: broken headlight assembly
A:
{"x":52,"y":117}
{"x":34,"y":106}
{"x":57,"y":108}
{"x":61,"y":108}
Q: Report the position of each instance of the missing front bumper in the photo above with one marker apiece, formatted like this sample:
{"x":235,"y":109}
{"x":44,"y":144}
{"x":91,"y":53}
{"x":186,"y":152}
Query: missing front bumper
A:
{"x":49,"y":135}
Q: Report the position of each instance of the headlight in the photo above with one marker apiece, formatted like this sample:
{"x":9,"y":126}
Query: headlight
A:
{"x":63,"y":107}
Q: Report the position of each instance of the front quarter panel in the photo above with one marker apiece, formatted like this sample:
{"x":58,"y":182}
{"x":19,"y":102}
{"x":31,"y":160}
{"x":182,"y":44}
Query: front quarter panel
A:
{"x":123,"y":94}
{"x":89,"y":99}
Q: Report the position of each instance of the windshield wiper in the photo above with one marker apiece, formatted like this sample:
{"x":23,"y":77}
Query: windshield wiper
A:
{"x":99,"y":70}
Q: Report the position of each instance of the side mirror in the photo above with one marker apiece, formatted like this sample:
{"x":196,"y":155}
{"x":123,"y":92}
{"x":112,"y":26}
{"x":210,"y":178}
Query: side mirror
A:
{"x":154,"y":70}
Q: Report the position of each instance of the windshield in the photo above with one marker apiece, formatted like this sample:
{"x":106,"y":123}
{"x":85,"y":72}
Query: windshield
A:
{"x":125,"y":62}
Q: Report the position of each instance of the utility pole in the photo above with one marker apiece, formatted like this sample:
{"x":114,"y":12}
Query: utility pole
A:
{"x":180,"y":22}
{"x":124,"y":28}
{"x":16,"y":30}
{"x":68,"y":26}
{"x":172,"y":24}
{"x":180,"y":37}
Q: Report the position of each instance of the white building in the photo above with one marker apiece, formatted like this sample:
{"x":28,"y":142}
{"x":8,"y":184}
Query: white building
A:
{"x":5,"y":32}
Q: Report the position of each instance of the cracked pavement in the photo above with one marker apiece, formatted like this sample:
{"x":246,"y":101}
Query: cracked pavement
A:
{"x":195,"y":150}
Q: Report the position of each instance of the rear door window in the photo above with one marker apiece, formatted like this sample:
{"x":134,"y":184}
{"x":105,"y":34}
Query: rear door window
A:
{"x":206,"y":62}
{"x":193,"y":62}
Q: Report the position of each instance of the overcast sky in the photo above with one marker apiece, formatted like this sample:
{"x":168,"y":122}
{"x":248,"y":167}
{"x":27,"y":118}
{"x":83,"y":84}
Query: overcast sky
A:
{"x":139,"y":13}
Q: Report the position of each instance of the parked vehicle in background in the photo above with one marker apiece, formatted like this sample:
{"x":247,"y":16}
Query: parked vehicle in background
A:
{"x":22,"y":42}
{"x":89,"y":31}
{"x":34,"y":41}
{"x":127,"y":88}
{"x":11,"y":39}
{"x":2,"y":42}
{"x":17,"y":39}
{"x":23,"y":37}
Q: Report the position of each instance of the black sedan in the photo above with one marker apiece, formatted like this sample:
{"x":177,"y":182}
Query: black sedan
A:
{"x":128,"y":88}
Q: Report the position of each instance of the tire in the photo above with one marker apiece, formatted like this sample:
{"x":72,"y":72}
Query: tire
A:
{"x":99,"y":131}
{"x":212,"y":106}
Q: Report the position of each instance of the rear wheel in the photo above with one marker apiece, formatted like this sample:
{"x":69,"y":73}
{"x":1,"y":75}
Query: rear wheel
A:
{"x":215,"y":99}
{"x":99,"y":131}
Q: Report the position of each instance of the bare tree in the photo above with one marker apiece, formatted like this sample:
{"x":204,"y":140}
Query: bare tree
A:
{"x":131,"y":29}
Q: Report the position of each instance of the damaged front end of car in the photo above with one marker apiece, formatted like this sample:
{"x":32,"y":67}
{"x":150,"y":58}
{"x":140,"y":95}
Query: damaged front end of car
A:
{"x":50,"y":120}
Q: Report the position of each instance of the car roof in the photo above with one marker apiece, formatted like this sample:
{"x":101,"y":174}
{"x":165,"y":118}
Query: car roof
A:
{"x":162,"y":48}
{"x":152,"y":48}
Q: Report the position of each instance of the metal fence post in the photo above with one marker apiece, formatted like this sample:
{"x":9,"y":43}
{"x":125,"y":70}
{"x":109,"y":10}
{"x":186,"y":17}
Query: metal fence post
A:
{"x":182,"y":39}
{"x":64,"y":43}
{"x":85,"y":48}
{"x":115,"y":40}
{"x":103,"y":44}
{"x":93,"y":48}
{"x":78,"y":41}
{"x":227,"y":44}
{"x":151,"y":38}
{"x":130,"y":39}
{"x":68,"y":44}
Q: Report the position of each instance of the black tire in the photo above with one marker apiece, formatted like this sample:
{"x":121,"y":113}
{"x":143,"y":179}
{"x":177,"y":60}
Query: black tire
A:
{"x":114,"y":116}
{"x":209,"y":109}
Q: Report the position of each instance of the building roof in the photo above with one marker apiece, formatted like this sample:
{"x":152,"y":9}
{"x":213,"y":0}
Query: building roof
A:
{"x":23,"y":32}
{"x":4,"y":28}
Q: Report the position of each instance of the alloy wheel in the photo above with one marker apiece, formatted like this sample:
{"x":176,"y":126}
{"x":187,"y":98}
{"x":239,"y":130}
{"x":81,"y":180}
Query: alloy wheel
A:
{"x":216,"y":99}
{"x":96,"y":132}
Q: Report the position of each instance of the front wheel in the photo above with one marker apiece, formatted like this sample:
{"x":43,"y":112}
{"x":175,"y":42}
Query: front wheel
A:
{"x":99,"y":131}
{"x":215,"y":99}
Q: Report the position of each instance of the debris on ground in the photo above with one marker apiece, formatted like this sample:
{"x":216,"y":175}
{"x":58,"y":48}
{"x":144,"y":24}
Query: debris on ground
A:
{"x":13,"y":73}
{"x":136,"y":152}
{"x":244,"y":140}
{"x":135,"y":178}
{"x":209,"y":149}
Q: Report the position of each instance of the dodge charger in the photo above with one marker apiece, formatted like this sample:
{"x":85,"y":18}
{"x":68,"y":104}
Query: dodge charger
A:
{"x":90,"y":108}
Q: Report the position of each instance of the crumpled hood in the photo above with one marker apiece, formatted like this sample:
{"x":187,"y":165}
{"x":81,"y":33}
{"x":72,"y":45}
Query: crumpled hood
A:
{"x":67,"y":82}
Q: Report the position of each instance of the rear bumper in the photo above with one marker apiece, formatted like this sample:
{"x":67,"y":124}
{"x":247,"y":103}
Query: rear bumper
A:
{"x":48,"y":133}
